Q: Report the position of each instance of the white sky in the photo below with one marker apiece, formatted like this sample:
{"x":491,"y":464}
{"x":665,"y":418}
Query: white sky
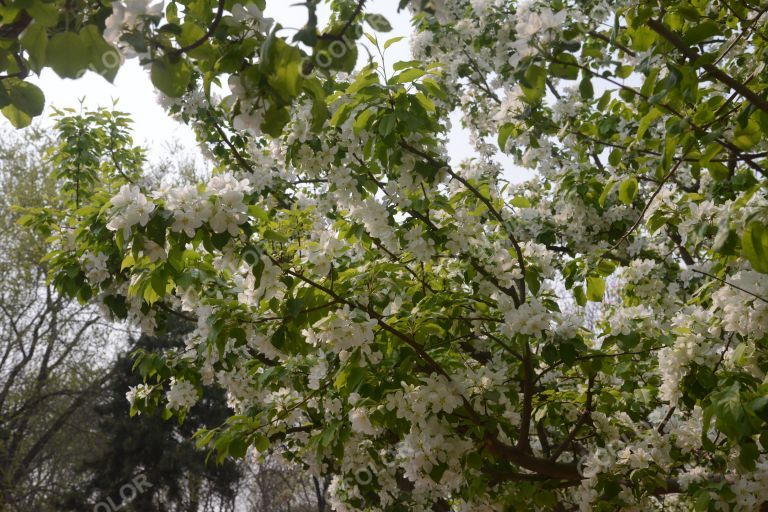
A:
{"x":133,"y":91}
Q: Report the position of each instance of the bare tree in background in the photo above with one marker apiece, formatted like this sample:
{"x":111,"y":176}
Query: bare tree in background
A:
{"x":275,"y":485}
{"x":51,"y":351}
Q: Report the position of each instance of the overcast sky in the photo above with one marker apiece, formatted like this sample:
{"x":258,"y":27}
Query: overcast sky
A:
{"x":134,"y":93}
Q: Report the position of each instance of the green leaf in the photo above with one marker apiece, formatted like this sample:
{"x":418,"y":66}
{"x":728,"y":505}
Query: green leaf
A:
{"x":505,"y":132}
{"x":585,"y":89}
{"x":25,"y":96}
{"x":4,"y":98}
{"x":171,"y":76}
{"x":606,"y":192}
{"x":238,"y":448}
{"x":746,"y":137}
{"x":566,"y":67}
{"x":285,"y":75}
{"x":67,"y":55}
{"x":717,"y":170}
{"x":754,"y":243}
{"x":642,"y":38}
{"x":728,"y":410}
{"x":104,"y":58}
{"x":335,"y":54}
{"x":624,"y":71}
{"x":628,"y":191}
{"x":533,"y":83}
{"x":595,"y":288}
{"x":701,"y":32}
{"x":361,"y":121}
{"x":274,"y":236}
{"x":341,"y":115}
{"x":433,"y":88}
{"x":387,"y":124}
{"x":425,"y":102}
{"x":579,"y":296}
{"x":646,"y":121}
{"x":392,"y":41}
{"x":275,"y":120}
{"x":378,"y":22}
{"x":261,"y":443}
{"x":409,"y":75}
{"x":614,"y":158}
{"x":127,"y":262}
{"x":35,"y":41}
{"x":726,"y":242}
{"x":320,"y":112}
{"x":521,"y":202}
{"x":362,"y":81}
{"x":258,"y":212}
{"x":748,"y":455}
{"x":159,"y":281}
{"x":46,"y":14}
{"x":27,"y":101}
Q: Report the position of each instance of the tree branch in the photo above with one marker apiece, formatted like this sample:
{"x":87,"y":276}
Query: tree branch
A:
{"x":484,"y":200}
{"x":209,"y":33}
{"x":582,"y":419}
{"x":676,"y":41}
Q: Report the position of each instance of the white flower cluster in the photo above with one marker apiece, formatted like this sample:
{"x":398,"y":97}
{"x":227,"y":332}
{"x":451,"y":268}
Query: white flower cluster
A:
{"x":191,"y":208}
{"x":625,"y":320}
{"x":343,"y":331}
{"x":220,"y":204}
{"x":693,"y":343}
{"x":230,"y":210}
{"x":181,"y":395}
{"x":375,"y":217}
{"x":269,"y":284}
{"x":326,"y":248}
{"x":422,"y":248}
{"x":252,"y":109}
{"x":533,"y":21}
{"x":417,"y":403}
{"x":751,"y":490}
{"x":127,"y":15}
{"x":360,"y":422}
{"x":139,"y":392}
{"x":531,"y":318}
{"x":129,"y":207}
{"x":741,"y":312}
{"x":95,"y":267}
{"x":427,"y":445}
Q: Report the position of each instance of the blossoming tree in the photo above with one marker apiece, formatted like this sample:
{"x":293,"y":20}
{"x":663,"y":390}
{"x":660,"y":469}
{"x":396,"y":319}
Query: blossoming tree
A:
{"x":429,"y":334}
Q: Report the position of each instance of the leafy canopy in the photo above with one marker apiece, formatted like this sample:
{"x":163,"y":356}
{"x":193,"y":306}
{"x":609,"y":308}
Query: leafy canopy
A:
{"x":433,"y":336}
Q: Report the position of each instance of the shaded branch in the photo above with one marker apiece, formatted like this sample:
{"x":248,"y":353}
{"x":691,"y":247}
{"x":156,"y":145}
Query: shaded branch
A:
{"x":676,"y":41}
{"x":208,"y":34}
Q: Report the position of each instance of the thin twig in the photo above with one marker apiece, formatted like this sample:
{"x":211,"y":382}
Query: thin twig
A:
{"x":758,"y":297}
{"x":209,"y":33}
{"x":649,"y":202}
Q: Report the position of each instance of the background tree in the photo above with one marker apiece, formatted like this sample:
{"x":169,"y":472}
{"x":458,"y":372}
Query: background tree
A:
{"x":65,"y":371}
{"x":276,"y":485}
{"x":51,"y":350}
{"x":159,"y":450}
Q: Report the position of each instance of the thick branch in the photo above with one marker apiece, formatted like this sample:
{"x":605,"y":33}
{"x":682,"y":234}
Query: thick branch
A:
{"x":664,"y":31}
